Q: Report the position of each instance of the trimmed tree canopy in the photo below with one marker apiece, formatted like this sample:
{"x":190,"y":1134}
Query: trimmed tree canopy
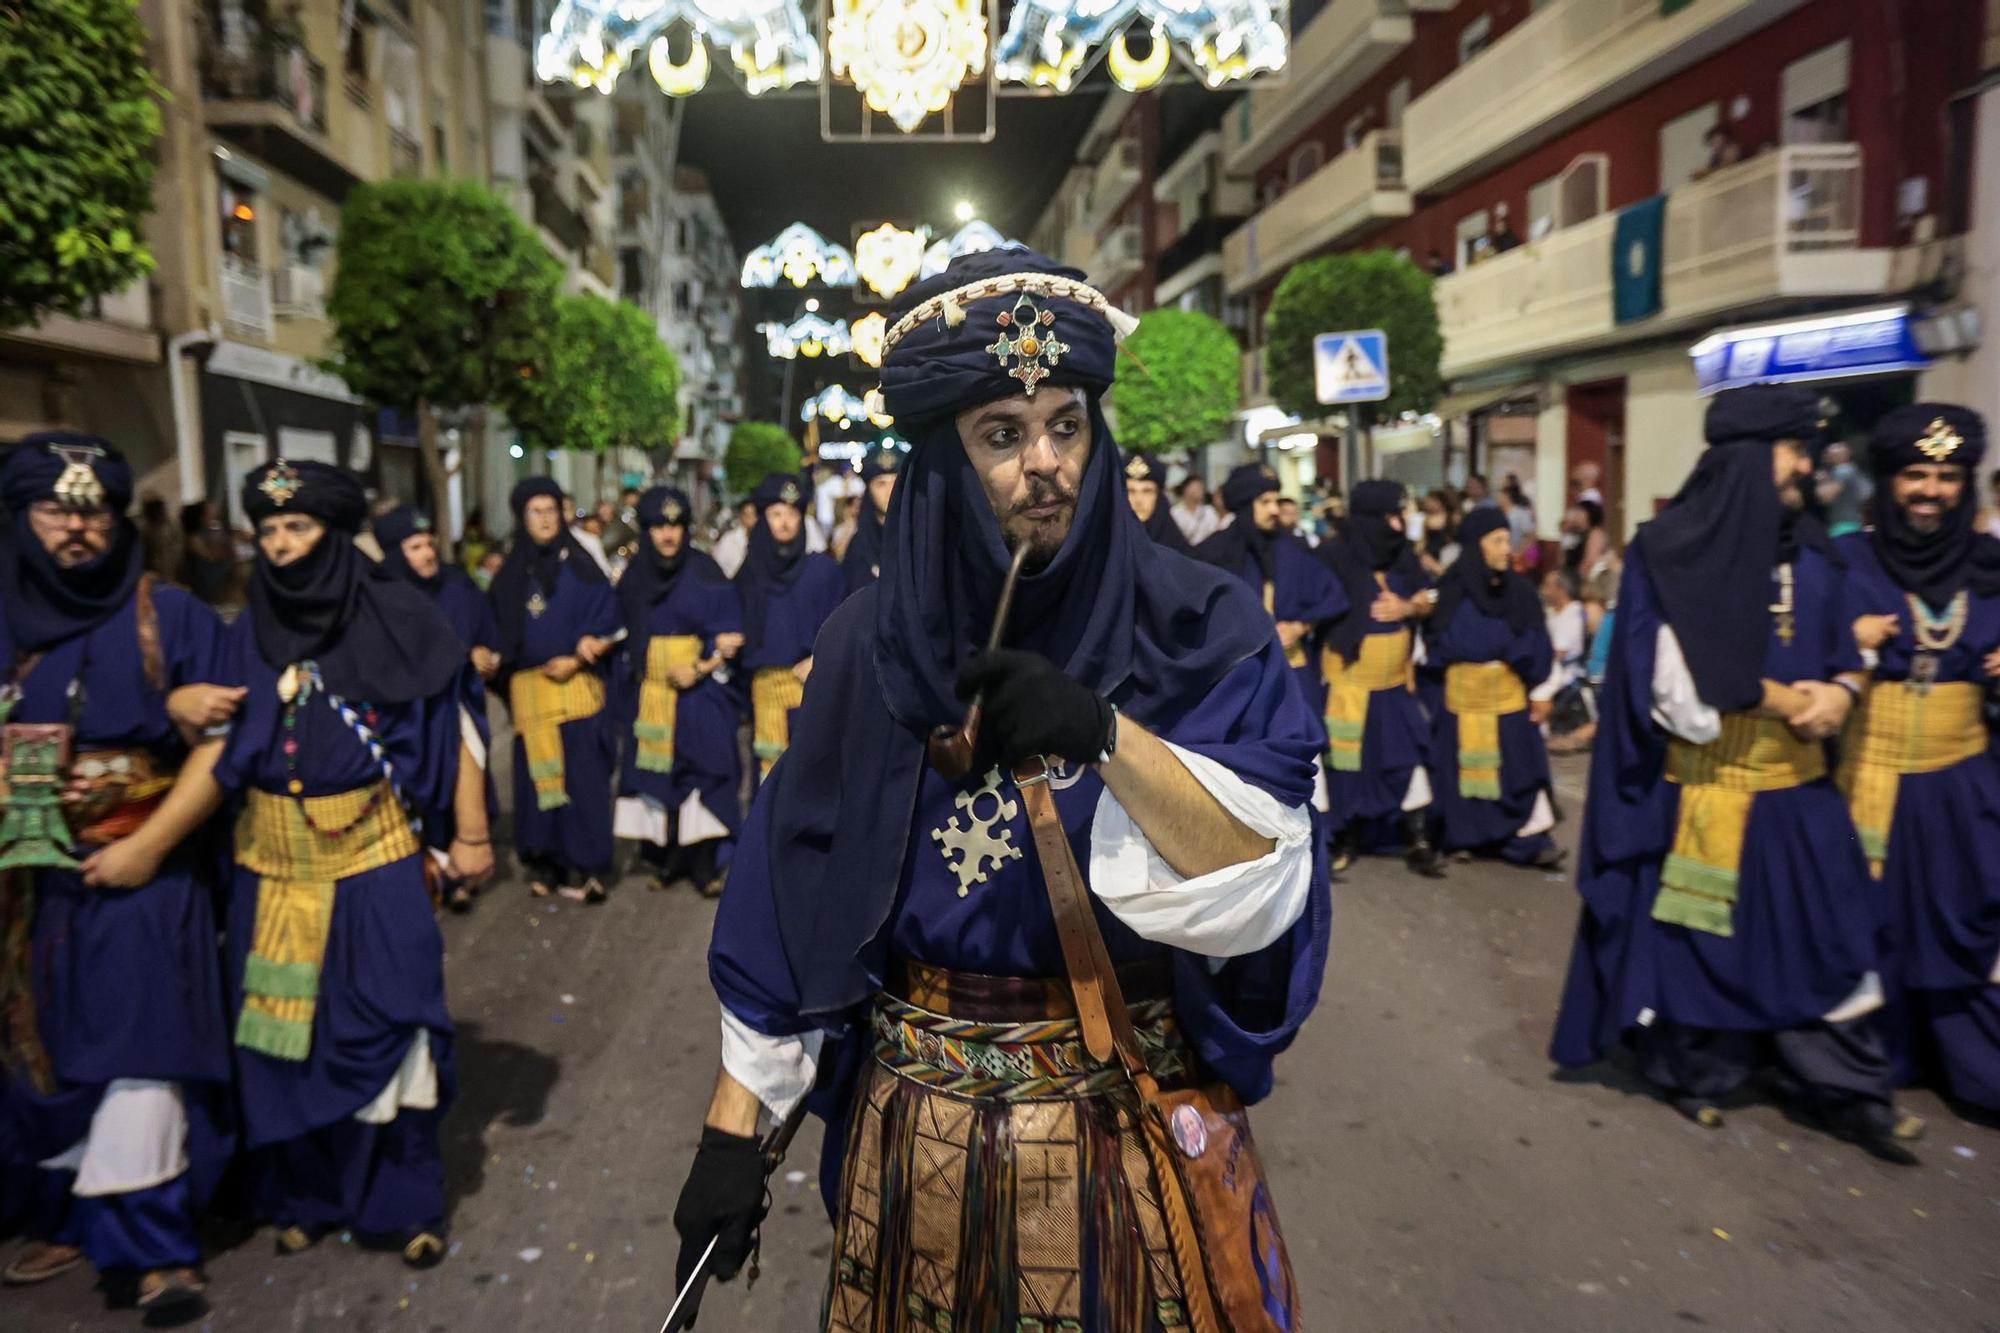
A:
{"x":77,"y":124}
{"x":603,"y":379}
{"x":1178,"y":387}
{"x":1371,"y":289}
{"x":755,"y":449}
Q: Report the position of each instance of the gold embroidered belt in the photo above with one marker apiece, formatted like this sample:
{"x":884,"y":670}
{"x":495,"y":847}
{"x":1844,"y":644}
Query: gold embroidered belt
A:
{"x":1384,"y":665}
{"x":1719,"y":782}
{"x":1903,"y":728}
{"x":654,"y":727}
{"x":540,"y":708}
{"x":300,"y":850}
{"x":774,"y":693}
{"x":1478,"y":695}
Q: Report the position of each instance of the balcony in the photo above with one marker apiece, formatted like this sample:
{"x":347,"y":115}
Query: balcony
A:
{"x":1781,"y":227}
{"x":246,"y":298}
{"x":1569,"y":61}
{"x":267,"y":95}
{"x":1355,"y":192}
{"x":1343,"y":47}
{"x":298,"y":291}
{"x":1120,"y":256}
{"x":1111,"y":183}
{"x":117,"y":326}
{"x":406,"y":156}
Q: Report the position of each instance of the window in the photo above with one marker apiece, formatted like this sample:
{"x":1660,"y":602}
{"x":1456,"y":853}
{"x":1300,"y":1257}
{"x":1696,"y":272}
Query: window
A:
{"x":1471,"y":243}
{"x":1475,"y":37}
{"x":1814,"y":92}
{"x":682,"y":300}
{"x":240,"y":204}
{"x":1399,"y":100}
{"x":1307,"y":158}
{"x":1691,"y":146}
{"x":1350,"y":134}
{"x":1543,"y":200}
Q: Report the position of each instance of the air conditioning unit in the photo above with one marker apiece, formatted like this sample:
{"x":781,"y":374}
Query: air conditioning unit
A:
{"x":299,"y":290}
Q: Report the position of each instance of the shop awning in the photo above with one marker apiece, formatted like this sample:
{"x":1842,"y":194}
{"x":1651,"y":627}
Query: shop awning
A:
{"x":1845,"y":346}
{"x":1467,"y":401}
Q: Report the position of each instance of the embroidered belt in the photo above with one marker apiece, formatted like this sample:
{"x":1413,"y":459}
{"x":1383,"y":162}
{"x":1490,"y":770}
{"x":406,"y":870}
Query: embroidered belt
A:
{"x":1478,"y":694}
{"x":1719,"y":781}
{"x":1384,"y":665}
{"x":540,"y":708}
{"x":1903,"y":728}
{"x":774,"y":693}
{"x":300,"y":849}
{"x":1034,"y":1060}
{"x":654,"y":728}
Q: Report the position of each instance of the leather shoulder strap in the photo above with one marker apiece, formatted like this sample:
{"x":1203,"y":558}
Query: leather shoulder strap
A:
{"x":151,"y":657}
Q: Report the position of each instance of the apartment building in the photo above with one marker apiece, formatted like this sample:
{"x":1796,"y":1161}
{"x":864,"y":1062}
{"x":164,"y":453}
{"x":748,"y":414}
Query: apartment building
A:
{"x":702,"y":320}
{"x":1632,"y":203}
{"x":1101,"y":218}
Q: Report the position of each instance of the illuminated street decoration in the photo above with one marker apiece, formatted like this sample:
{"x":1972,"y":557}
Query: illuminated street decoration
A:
{"x":1049,"y":43}
{"x":798,"y":254}
{"x":868,"y":333}
{"x":807,"y":336}
{"x":907,"y":57}
{"x":836,"y":403}
{"x":889,"y":258}
{"x":591,"y":42}
{"x":973,"y":238}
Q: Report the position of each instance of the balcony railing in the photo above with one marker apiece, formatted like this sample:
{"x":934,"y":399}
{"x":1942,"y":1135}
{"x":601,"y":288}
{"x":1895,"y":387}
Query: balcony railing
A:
{"x":1343,"y":47}
{"x":1121,"y":254}
{"x":1564,"y":63}
{"x":298,"y":291}
{"x":1785,"y":224}
{"x":264,"y":68}
{"x":406,"y":155}
{"x":1112,"y":183}
{"x":246,"y":298}
{"x":1360,"y":188}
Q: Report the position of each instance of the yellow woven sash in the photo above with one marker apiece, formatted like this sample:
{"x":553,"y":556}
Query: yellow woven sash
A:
{"x":1477,"y":694}
{"x":1384,"y":665}
{"x":297,"y":866}
{"x":540,"y":707}
{"x":1898,"y":729}
{"x":1295,"y":656}
{"x":774,"y":693}
{"x":1718,"y":782}
{"x":654,"y":728}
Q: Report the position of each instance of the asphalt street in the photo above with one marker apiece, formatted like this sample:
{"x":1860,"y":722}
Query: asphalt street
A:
{"x":1433,"y":1171}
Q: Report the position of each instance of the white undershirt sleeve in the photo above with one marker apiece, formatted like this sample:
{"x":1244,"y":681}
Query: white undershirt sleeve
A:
{"x":779,"y":1070}
{"x":1677,"y":705}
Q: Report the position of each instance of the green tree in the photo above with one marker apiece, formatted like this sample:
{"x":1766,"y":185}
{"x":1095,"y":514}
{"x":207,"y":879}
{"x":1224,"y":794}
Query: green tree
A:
{"x":1181,"y":385}
{"x":78,"y":117}
{"x":439,"y":301}
{"x":602,"y":379}
{"x":756,"y":448}
{"x":1370,"y":289}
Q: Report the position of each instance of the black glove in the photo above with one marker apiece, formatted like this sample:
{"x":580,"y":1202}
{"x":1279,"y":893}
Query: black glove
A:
{"x":1030,"y":708}
{"x":723,"y":1200}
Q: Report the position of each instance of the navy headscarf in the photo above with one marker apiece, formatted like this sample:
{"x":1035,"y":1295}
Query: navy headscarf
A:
{"x":1502,"y":594}
{"x":376,"y":636}
{"x":1226,"y":548}
{"x":652,"y":577}
{"x":863,"y":556}
{"x":533,"y":566}
{"x":770,"y":566}
{"x":392,"y":530}
{"x":1161,"y":526}
{"x":1934,"y":566}
{"x":46,"y":603}
{"x":1366,"y":545}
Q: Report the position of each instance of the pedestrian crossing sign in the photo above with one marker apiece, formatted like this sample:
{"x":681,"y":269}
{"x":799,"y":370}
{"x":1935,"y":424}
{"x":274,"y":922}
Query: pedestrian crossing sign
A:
{"x":1351,"y":367}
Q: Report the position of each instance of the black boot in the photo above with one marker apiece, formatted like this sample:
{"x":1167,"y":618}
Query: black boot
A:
{"x":1419,"y":855}
{"x":701,"y":868}
{"x":1340,"y":853}
{"x":664,"y":864}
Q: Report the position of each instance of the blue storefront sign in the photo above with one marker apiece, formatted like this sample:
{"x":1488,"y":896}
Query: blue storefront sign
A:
{"x":1868,"y":342}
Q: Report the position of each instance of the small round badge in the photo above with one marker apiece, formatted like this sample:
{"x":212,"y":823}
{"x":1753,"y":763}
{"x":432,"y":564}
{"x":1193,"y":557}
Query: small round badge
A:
{"x":1189,"y":1131}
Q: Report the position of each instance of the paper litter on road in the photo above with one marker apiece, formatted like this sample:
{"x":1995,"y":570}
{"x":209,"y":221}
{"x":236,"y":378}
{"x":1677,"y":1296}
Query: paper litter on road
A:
{"x":532,"y":1253}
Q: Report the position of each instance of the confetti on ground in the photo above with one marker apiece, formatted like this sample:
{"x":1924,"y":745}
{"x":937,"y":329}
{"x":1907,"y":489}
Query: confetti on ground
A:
{"x":569,"y":999}
{"x":794,"y":1177}
{"x":1920,"y":1212}
{"x":1964,"y":1151}
{"x":1784,"y":1146}
{"x":1720,"y":1234}
{"x":590,"y":1256}
{"x":532,"y":1253}
{"x":403,"y":1304}
{"x":1853,"y":1192}
{"x":572,"y":1247}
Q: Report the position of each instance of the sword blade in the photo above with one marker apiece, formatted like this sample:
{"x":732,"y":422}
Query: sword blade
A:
{"x":696,"y":1281}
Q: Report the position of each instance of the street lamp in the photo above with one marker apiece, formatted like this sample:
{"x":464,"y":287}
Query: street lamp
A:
{"x":963,"y":210}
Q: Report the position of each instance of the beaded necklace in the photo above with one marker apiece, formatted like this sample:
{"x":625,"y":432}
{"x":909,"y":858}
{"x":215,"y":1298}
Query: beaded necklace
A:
{"x":296,"y":686}
{"x":1782,"y":609}
{"x":1934,"y":635}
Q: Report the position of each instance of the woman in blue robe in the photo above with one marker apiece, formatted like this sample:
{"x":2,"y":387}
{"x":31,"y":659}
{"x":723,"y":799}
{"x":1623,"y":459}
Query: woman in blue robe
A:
{"x":349,"y":738}
{"x":861,"y":562}
{"x":116,"y":1000}
{"x":1728,"y":918}
{"x":680,"y":778}
{"x":1488,"y":655}
{"x":1146,"y":490}
{"x":787,"y":593}
{"x":558,"y":619}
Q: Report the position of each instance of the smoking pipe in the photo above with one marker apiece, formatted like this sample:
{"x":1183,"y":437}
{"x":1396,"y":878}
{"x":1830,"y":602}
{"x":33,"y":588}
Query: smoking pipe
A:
{"x":949,"y":749}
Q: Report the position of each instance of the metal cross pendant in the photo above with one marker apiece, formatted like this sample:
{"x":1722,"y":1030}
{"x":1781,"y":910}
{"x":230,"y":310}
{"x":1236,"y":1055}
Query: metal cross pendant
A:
{"x":1923,"y":671}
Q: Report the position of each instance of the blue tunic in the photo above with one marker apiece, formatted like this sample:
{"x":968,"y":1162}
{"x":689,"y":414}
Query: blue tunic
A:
{"x":793,"y":617}
{"x":1395,"y":743}
{"x":576,"y":836}
{"x":1808,"y":923}
{"x":1469,"y":823}
{"x":1304,"y":589}
{"x":382,"y":979}
{"x":471,"y":617}
{"x":705,"y":717}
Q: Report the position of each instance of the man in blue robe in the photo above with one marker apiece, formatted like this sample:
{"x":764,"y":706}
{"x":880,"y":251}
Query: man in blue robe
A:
{"x":879,"y":905}
{"x":1145,"y":489}
{"x":1378,"y":739}
{"x":1917,"y":763}
{"x":861,"y":563}
{"x":558,"y":618}
{"x":679,"y":782}
{"x":788,"y":591}
{"x":117,"y":1061}
{"x":1728,"y":917}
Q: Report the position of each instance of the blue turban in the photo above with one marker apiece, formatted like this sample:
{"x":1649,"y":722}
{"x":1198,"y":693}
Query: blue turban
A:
{"x":1145,"y":467}
{"x":779,"y":488}
{"x":664,"y":505}
{"x":45,"y":603}
{"x":1245,"y":484}
{"x":884,"y":462}
{"x":1762,"y":412}
{"x":333,"y":495}
{"x":38,"y":462}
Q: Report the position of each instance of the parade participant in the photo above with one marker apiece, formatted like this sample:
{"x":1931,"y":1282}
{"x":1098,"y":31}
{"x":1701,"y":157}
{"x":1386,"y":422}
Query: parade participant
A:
{"x":1192,"y":513}
{"x":410,"y":548}
{"x":1145,"y":489}
{"x":1489,"y":641}
{"x":1727,"y":909}
{"x":733,"y":545}
{"x":1378,"y":743}
{"x":861,"y":563}
{"x":111,"y":1004}
{"x":878,"y":900}
{"x":1923,"y":593}
{"x":678,"y":784}
{"x":558,"y":618}
{"x":788,"y":592}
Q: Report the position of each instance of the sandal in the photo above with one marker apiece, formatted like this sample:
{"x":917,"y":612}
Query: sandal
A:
{"x":459,"y":899}
{"x":295,"y":1240}
{"x":714,"y":887}
{"x":593,"y":891}
{"x":168,"y":1288}
{"x":424,"y":1250}
{"x":539,"y":888}
{"x":39,"y":1261}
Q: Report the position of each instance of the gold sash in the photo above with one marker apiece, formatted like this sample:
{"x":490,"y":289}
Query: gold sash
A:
{"x":1719,"y":782}
{"x":540,"y":707}
{"x":774,"y":693}
{"x":1385,"y":665}
{"x":298,"y":865}
{"x":1477,"y":694}
{"x":1900,"y":728}
{"x":654,"y":728}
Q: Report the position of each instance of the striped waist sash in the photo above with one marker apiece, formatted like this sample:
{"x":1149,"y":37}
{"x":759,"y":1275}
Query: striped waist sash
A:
{"x":540,"y":708}
{"x":1901,"y":728}
{"x":774,"y":693}
{"x":1384,"y":664}
{"x":658,"y":699}
{"x":1478,"y":694}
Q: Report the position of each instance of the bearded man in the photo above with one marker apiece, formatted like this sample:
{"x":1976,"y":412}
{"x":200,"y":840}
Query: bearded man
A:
{"x":861,"y":563}
{"x":879,"y":903}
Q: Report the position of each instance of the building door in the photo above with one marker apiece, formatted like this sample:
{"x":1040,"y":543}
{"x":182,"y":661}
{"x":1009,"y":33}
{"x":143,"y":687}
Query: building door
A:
{"x":1597,"y":436}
